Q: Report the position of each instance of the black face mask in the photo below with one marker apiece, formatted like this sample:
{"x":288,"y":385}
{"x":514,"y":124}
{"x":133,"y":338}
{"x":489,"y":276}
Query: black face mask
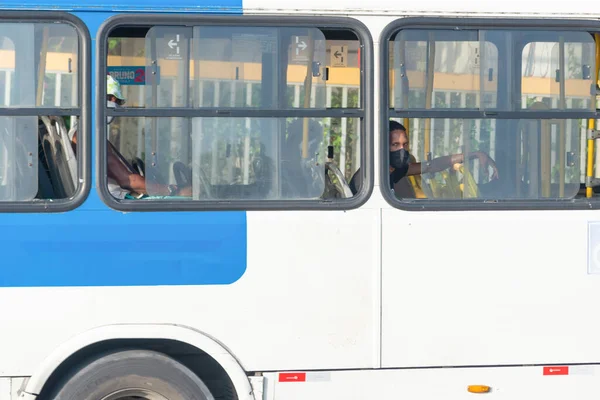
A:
{"x":399,"y":158}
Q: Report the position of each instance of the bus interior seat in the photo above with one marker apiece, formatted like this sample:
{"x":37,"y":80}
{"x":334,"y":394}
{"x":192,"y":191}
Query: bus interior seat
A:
{"x":65,"y":141}
{"x":182,"y":174}
{"x":55,"y":160}
{"x":336,"y":184}
{"x":45,"y":188}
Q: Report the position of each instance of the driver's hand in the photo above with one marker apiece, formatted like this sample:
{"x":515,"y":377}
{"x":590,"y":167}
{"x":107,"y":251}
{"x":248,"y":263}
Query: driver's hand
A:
{"x":185,"y":191}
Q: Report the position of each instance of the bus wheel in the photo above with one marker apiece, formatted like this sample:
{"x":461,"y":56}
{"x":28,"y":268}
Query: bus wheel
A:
{"x":132,"y":374}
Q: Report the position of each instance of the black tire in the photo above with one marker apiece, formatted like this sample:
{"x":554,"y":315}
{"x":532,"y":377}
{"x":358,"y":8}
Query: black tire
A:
{"x":132,"y":370}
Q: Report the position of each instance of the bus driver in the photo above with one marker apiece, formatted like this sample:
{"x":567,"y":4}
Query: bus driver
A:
{"x":123,"y":182}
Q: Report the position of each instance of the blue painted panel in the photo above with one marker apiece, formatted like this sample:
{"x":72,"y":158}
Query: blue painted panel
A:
{"x":109,"y":248}
{"x":205,"y":6}
{"x":97,"y":246}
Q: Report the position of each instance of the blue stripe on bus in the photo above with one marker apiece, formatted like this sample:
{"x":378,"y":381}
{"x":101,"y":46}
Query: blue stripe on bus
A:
{"x":109,"y":248}
{"x":204,"y":6}
{"x":97,"y":246}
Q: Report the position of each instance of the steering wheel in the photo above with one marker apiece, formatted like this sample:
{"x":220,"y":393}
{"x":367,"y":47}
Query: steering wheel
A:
{"x":183,"y":178}
{"x":139,"y":165}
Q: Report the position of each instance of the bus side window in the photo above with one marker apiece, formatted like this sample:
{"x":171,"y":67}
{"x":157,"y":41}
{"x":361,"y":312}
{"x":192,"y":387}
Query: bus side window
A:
{"x":41,"y":67}
{"x":496,"y":114}
{"x":256,"y":146}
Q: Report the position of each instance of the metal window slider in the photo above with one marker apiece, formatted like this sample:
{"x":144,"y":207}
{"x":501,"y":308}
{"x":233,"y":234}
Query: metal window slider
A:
{"x":593,"y":134}
{"x":592,"y":182}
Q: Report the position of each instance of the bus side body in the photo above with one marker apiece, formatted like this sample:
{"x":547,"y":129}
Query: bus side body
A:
{"x":376,"y":301}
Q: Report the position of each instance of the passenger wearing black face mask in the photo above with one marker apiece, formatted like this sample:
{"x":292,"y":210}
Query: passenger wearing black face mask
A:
{"x":401,"y":165}
{"x":399,"y":159}
{"x":399,"y":155}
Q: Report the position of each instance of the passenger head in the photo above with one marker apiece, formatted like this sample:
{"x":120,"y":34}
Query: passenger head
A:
{"x":398,"y":136}
{"x":399,"y":156}
{"x":114,"y":97}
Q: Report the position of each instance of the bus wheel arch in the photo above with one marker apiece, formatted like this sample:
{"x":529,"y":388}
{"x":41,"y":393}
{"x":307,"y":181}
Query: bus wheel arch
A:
{"x":206,"y":357}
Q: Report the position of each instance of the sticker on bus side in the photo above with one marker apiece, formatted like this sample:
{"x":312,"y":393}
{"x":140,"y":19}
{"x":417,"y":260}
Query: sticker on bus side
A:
{"x":132,"y":75}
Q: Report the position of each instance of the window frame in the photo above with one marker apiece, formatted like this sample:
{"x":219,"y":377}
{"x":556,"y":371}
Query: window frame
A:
{"x":386,"y":113}
{"x":365,"y":111}
{"x":82,"y":110}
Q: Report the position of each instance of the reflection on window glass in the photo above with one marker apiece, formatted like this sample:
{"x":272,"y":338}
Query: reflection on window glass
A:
{"x":55,"y":48}
{"x":8,"y":61}
{"x":7,"y":68}
{"x":506,"y":159}
{"x":248,"y":149}
{"x":441,"y":62}
{"x":555,"y":69}
{"x":61,"y":67}
{"x":241,"y":67}
{"x":233,"y":158}
{"x":4,"y":88}
{"x":38,"y":158}
{"x":38,"y":154}
{"x":546,"y":66}
{"x":18,"y":166}
{"x":516,"y":74}
{"x":239,"y":56}
{"x":222,"y":66}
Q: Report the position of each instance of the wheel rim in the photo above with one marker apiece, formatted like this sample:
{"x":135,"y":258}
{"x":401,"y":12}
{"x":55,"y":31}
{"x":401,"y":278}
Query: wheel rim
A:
{"x":134,"y":394}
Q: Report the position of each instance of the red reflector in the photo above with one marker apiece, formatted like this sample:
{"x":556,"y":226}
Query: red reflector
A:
{"x":292,"y":377}
{"x":563,"y":370}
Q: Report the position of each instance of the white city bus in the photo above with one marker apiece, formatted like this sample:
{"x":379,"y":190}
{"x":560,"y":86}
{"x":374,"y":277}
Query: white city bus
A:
{"x":216,"y":209}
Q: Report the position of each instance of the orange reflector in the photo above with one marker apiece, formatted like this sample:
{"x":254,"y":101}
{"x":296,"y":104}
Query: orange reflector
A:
{"x":478,"y":388}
